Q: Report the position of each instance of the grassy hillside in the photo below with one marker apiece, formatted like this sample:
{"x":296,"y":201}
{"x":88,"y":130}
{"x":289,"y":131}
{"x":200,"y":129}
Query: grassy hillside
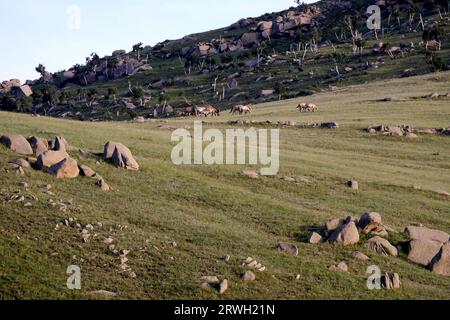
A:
{"x":212,"y":211}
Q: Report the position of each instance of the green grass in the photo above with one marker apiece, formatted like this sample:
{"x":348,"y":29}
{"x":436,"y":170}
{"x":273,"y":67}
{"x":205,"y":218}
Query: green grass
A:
{"x":211,"y":211}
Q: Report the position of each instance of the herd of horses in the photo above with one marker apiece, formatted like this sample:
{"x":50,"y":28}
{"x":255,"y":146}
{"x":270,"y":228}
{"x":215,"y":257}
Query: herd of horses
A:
{"x":209,"y":110}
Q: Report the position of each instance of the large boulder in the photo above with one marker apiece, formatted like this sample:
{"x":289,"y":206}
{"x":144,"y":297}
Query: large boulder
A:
{"x":17,"y":143}
{"x":120,"y":155}
{"x":422,"y":233}
{"x":382,"y":246}
{"x":346,"y":235}
{"x":38,"y":145}
{"x":423,"y":251}
{"x":67,"y":168}
{"x":441,"y":262}
{"x":50,"y":158}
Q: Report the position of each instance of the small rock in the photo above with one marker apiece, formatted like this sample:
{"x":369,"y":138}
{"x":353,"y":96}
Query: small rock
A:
{"x":353,"y":184}
{"x":360,"y":256}
{"x":442,"y":193}
{"x":340,"y":267}
{"x":123,"y":259}
{"x":248,"y":276}
{"x":108,"y":240}
{"x":223,"y":286}
{"x":103,"y":185}
{"x":396,"y":283}
{"x":211,"y":279}
{"x":206,"y":286}
{"x":86,"y":171}
{"x":227,"y":258}
{"x":291,"y":249}
{"x":24,"y":185}
{"x":19,"y":170}
{"x":314,"y":238}
{"x":382,"y":246}
{"x":391,"y":281}
{"x":251,"y":174}
{"x":288,"y":179}
{"x":103,"y":293}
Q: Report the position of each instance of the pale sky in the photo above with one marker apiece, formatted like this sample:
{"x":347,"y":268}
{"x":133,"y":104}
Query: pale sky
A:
{"x":50,"y":32}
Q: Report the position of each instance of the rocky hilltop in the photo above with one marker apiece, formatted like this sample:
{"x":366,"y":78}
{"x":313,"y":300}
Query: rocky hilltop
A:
{"x":296,"y":52}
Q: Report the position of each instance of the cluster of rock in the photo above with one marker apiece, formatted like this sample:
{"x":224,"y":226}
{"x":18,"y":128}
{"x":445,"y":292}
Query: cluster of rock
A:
{"x":6,"y":86}
{"x":253,"y":264}
{"x":405,"y":130}
{"x":284,"y":123}
{"x":213,"y":47}
{"x":213,"y":282}
{"x":288,"y":24}
{"x":398,"y":131}
{"x":429,"y":248}
{"x":53,"y":158}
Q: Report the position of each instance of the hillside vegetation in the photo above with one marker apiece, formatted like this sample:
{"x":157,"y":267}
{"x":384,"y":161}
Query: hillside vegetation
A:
{"x":179,"y":221}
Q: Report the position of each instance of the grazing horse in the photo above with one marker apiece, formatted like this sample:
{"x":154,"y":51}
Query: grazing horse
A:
{"x":307,"y":107}
{"x":246,"y":109}
{"x":236,"y":109}
{"x":241,"y":109}
{"x":210,"y":110}
{"x":188,"y":111}
{"x":198,"y":111}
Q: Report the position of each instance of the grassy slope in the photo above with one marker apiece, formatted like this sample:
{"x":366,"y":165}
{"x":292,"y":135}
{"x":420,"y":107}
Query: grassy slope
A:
{"x":213,"y":211}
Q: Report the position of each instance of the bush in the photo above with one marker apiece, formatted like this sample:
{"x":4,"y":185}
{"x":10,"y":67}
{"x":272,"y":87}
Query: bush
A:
{"x":436,"y":62}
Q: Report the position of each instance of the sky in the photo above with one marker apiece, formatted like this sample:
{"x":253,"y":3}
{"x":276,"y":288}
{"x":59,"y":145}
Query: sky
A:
{"x":61,"y":33}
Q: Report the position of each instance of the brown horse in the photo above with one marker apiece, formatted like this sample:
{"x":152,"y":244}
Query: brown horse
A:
{"x":241,"y":109}
{"x":307,"y":107}
{"x":210,"y":110}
